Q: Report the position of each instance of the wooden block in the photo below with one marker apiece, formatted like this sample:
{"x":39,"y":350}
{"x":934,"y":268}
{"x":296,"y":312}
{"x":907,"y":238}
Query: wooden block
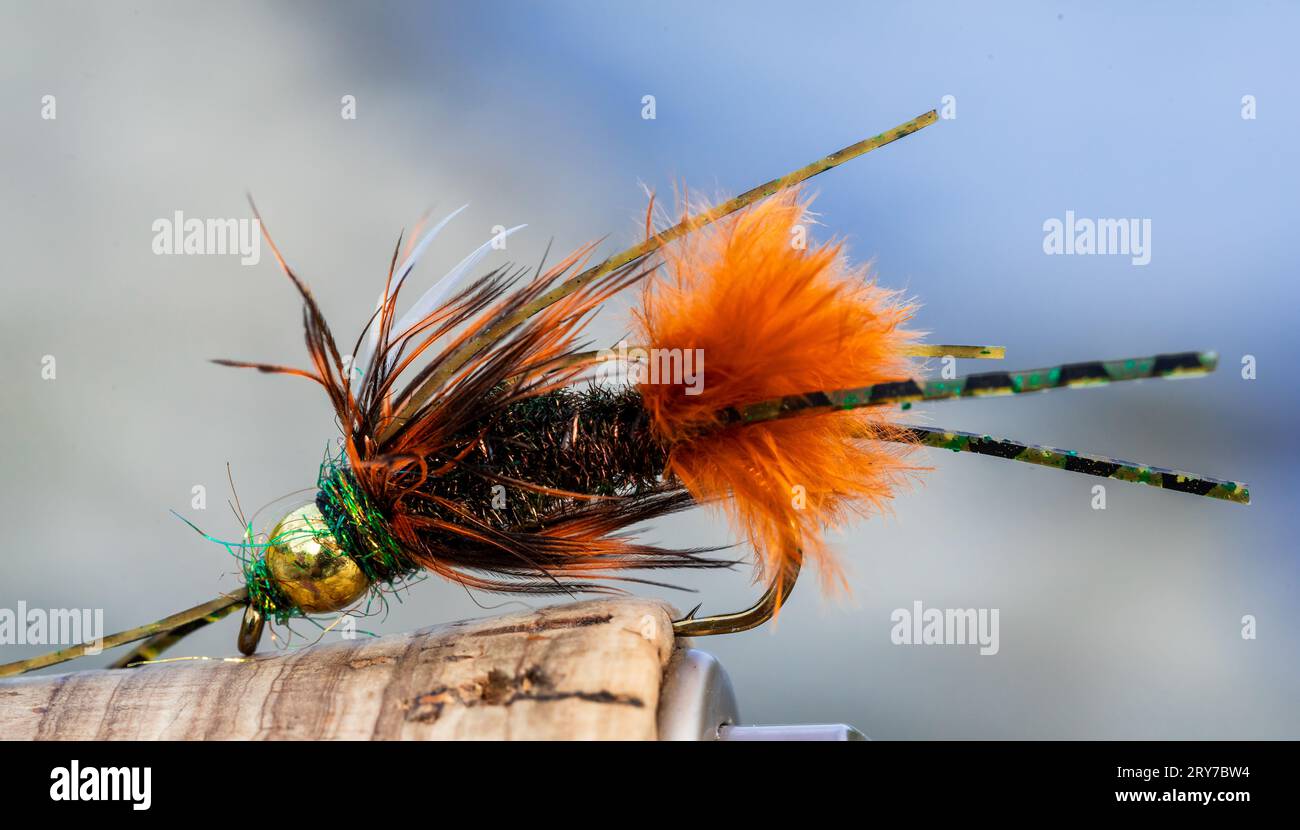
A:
{"x":591,"y":670}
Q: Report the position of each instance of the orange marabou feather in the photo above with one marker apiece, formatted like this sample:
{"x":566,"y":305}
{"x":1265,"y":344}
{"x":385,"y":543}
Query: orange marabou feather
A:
{"x":775,"y":318}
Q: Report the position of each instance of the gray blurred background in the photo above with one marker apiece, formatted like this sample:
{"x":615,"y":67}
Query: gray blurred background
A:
{"x":1123,"y":622}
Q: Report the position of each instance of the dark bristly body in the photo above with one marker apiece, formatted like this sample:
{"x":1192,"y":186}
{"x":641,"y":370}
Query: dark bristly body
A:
{"x":539,"y":474}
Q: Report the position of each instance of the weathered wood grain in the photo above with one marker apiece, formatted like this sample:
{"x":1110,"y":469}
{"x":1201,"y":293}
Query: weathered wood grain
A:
{"x":590,"y":670}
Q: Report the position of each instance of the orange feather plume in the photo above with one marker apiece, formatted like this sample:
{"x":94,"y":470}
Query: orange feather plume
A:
{"x":775,"y":318}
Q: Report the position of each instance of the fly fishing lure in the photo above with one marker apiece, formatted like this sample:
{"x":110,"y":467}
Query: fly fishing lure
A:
{"x":484,"y":390}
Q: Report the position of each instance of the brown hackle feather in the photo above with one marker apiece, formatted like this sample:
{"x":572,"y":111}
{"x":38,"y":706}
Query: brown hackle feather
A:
{"x":580,"y":465}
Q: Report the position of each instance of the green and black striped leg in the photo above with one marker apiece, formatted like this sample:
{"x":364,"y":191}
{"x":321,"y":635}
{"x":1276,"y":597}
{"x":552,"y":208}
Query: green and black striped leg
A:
{"x":199,"y":613}
{"x":1077,"y":462}
{"x":152,"y":648}
{"x":983,"y":384}
{"x":1092,"y":373}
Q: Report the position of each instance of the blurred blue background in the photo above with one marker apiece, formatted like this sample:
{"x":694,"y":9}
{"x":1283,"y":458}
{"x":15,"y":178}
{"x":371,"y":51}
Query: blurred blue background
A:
{"x":1123,"y":622}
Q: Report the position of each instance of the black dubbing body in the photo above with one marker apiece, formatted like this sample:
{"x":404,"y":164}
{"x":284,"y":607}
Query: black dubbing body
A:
{"x":593,"y":440}
{"x":515,"y":473}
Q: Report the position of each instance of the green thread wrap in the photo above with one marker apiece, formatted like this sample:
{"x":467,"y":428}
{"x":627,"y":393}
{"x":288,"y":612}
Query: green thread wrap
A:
{"x":359,"y":528}
{"x":264,"y":594}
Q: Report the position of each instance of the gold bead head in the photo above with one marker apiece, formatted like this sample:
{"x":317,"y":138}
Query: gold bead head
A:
{"x":310,"y":567}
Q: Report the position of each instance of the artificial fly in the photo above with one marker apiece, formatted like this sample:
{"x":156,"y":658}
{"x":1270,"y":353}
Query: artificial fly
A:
{"x":476,"y":447}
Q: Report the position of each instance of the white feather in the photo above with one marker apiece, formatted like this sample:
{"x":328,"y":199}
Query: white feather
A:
{"x":399,"y":276}
{"x":439,"y":290}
